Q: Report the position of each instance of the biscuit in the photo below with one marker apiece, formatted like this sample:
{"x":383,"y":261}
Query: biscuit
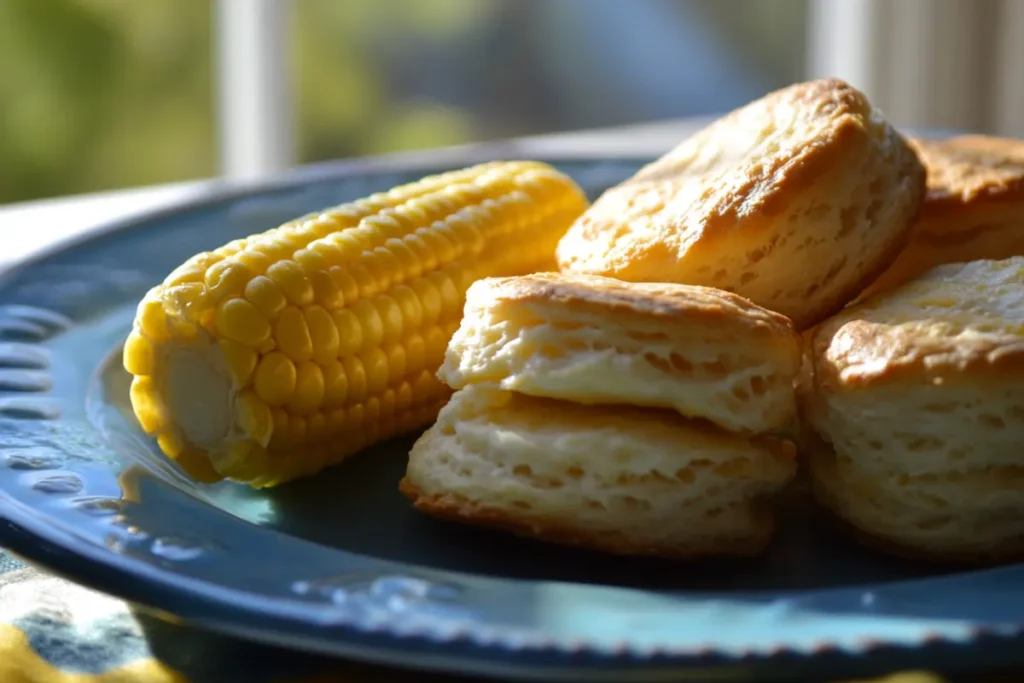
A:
{"x":622,"y":480}
{"x":797,"y":201}
{"x":919,"y":395}
{"x":973,"y":208}
{"x":594,"y":340}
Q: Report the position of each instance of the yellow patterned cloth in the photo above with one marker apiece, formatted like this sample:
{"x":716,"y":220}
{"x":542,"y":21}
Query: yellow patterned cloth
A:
{"x":54,"y":631}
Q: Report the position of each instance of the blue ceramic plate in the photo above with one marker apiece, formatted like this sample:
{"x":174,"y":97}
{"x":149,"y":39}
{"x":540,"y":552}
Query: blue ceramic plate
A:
{"x":341,"y":564}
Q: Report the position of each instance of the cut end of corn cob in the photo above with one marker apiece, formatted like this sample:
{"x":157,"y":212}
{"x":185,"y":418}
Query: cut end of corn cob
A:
{"x":277,"y":355}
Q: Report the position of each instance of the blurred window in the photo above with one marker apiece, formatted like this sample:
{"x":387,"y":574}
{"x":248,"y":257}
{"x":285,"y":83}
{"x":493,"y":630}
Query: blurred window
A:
{"x":105,"y":94}
{"x":386,"y":75}
{"x":102,"y":94}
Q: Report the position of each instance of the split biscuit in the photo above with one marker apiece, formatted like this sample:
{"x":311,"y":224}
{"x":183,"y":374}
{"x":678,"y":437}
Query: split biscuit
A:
{"x":621,"y":480}
{"x":796,"y":201}
{"x":588,"y":339}
{"x":918,"y":399}
{"x":973,"y":209}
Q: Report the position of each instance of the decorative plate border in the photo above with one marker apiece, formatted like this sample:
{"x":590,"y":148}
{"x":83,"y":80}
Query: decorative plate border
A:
{"x":56,"y":514}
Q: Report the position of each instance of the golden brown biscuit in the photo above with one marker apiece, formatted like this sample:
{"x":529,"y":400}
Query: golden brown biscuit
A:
{"x":594,"y":340}
{"x":920,"y":394}
{"x":796,"y":201}
{"x":973,"y":209}
{"x":622,"y":480}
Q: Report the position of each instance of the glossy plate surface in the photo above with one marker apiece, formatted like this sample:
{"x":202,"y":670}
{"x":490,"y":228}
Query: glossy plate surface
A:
{"x":341,"y":564}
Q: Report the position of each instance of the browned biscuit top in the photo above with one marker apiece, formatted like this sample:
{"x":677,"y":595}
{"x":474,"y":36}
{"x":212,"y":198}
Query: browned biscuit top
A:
{"x":673,"y":303}
{"x":962,"y":320}
{"x":970,"y":168}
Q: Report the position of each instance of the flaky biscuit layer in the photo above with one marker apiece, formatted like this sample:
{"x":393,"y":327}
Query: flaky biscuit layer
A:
{"x":919,"y":393}
{"x":593,"y":340}
{"x":621,"y":480}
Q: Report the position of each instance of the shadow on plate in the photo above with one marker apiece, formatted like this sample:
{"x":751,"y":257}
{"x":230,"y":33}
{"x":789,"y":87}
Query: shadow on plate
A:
{"x":356,"y":506}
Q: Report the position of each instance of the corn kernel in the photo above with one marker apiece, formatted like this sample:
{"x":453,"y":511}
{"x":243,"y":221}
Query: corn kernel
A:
{"x":335,"y":384}
{"x":325,"y":292}
{"x":369,"y":322}
{"x":152,"y":320}
{"x":345,"y":282}
{"x":330,"y":252}
{"x":323,"y":334}
{"x":396,"y":363}
{"x":424,"y":254}
{"x":408,"y":265}
{"x":254,"y":417}
{"x":150,"y":414}
{"x":293,"y":281}
{"x":435,"y":343}
{"x":354,"y":418}
{"x":409,"y":305}
{"x":227,"y":278}
{"x":138,"y":354}
{"x":350,"y":244}
{"x":356,"y":375}
{"x":375,"y":362}
{"x":310,"y":259}
{"x":241,"y":360}
{"x":391,"y":318}
{"x":364,"y":279}
{"x":309,"y":389}
{"x":256,"y":261}
{"x":264,"y":294}
{"x":387,"y":403}
{"x":237,"y":319}
{"x":275,"y":378}
{"x":350,"y":331}
{"x":316,"y":425}
{"x":378,"y":270}
{"x":439,"y":244}
{"x":451,"y":299}
{"x":371,"y":411}
{"x":171,"y":443}
{"x":415,"y":354}
{"x":403,"y":397}
{"x":292,"y":335}
{"x":296,"y":427}
{"x":430,"y":299}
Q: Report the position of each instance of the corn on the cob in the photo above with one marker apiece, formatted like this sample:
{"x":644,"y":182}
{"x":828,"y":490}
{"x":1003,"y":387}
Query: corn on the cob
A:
{"x":277,"y":355}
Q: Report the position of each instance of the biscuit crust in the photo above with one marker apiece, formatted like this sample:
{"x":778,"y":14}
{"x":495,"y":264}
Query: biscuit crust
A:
{"x":960,"y":320}
{"x":617,"y":479}
{"x":917,"y":398}
{"x":594,"y":340}
{"x":796,"y":201}
{"x":973,"y":209}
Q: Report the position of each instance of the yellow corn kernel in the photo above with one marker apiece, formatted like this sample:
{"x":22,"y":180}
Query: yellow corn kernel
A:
{"x":309,"y":389}
{"x":264,"y":294}
{"x":318,"y":338}
{"x":254,"y":417}
{"x":275,"y":378}
{"x":241,"y":360}
{"x":138,"y":354}
{"x":335,"y":384}
{"x":239,"y":320}
{"x":292,"y":335}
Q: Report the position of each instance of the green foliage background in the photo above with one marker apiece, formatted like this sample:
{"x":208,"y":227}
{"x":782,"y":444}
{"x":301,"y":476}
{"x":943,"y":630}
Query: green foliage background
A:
{"x":102,"y":94}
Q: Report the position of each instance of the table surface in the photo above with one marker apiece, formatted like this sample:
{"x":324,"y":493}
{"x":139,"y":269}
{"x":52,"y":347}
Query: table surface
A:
{"x":31,"y":227}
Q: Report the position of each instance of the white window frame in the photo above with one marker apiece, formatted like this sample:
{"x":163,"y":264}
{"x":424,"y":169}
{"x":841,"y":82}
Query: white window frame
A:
{"x":256,"y":122}
{"x":938,"y":64}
